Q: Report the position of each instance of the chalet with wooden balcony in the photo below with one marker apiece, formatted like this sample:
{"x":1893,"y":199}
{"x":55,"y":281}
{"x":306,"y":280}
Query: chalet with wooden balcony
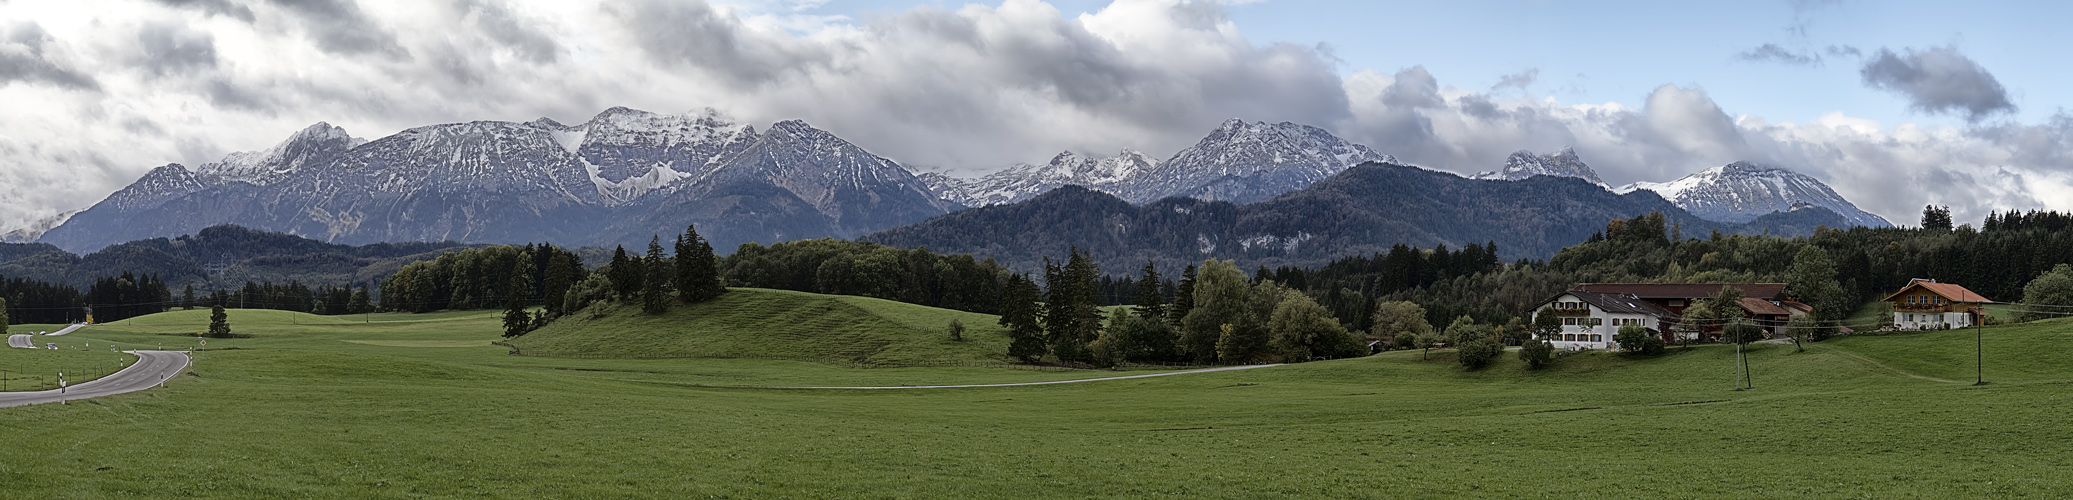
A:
{"x":1927,"y":305}
{"x":1589,"y":319}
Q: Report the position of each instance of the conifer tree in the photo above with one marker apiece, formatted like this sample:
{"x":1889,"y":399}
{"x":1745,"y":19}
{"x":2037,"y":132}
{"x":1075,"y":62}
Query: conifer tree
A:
{"x":1150,"y":302}
{"x":655,"y":290}
{"x":559,"y":277}
{"x":626,"y":275}
{"x":698,"y":271}
{"x":1183,"y":297}
{"x":516,"y":321}
{"x":219,"y":322}
{"x":187,"y":298}
{"x":3,"y":315}
{"x":1020,"y":314}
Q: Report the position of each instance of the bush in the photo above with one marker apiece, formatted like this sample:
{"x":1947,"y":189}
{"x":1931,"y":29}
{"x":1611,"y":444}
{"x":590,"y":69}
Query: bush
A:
{"x":1478,"y":353}
{"x":957,"y":331}
{"x":1637,"y":340}
{"x":1537,"y":353}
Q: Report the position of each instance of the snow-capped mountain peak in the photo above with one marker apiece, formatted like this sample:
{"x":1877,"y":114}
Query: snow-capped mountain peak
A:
{"x":1524,"y":164}
{"x":1742,"y":191}
{"x":311,"y":144}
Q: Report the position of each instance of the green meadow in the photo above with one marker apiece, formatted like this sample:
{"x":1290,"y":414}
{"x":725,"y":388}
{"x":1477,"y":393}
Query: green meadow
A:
{"x":682,"y":406}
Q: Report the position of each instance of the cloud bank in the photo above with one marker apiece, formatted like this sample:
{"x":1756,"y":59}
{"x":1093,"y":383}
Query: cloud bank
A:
{"x":107,"y":94}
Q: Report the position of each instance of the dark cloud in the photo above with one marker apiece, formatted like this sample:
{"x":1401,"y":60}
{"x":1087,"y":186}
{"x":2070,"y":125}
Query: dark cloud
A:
{"x":173,"y":48}
{"x":1938,"y":80}
{"x":1771,"y":52}
{"x":227,"y":8}
{"x":1520,"y":80}
{"x":340,"y":27}
{"x":693,"y":34}
{"x":24,"y":58}
{"x":497,"y":22}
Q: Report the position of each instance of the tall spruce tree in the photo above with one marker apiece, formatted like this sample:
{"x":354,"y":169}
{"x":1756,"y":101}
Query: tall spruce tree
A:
{"x":698,"y":271}
{"x":1072,"y":317}
{"x":187,"y":298}
{"x":516,"y":321}
{"x":560,"y":275}
{"x":1183,"y":297}
{"x":219,"y":322}
{"x":626,"y":275}
{"x":1151,"y":303}
{"x":655,"y":289}
{"x":3,"y":315}
{"x":1020,"y":313}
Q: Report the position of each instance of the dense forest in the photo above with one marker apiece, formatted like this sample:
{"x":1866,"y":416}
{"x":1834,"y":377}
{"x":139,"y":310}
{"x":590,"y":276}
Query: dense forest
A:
{"x":832,"y":266}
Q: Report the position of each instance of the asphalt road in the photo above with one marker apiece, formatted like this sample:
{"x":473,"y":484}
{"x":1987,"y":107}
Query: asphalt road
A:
{"x":1207,"y":370}
{"x":22,"y":341}
{"x":150,"y":368}
{"x":68,"y":329}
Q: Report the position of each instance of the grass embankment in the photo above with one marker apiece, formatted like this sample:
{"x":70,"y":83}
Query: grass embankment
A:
{"x":777,"y":324}
{"x":303,"y":410}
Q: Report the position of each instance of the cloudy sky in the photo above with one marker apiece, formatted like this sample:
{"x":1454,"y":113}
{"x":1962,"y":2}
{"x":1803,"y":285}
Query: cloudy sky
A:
{"x":1895,"y":104}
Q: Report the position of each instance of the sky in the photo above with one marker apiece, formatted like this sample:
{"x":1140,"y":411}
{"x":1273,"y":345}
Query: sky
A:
{"x":1897,"y":105}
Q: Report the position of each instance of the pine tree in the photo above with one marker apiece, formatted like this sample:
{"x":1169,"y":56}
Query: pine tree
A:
{"x":1183,"y":297}
{"x":698,"y":271}
{"x":626,"y":275}
{"x":655,"y":289}
{"x":187,"y":298}
{"x":1020,"y":314}
{"x":560,"y":275}
{"x":219,"y":322}
{"x":3,"y":315}
{"x":516,"y":321}
{"x":1150,"y":302}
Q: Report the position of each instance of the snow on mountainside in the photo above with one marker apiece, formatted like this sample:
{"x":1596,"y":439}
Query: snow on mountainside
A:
{"x":1742,"y":191}
{"x":618,"y":177}
{"x":1561,"y":163}
{"x":1246,"y":162}
{"x":1239,"y":162}
{"x":1025,"y":181}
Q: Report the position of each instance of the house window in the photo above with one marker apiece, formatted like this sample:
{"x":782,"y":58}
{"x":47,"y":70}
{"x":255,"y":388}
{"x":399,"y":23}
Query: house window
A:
{"x":1597,"y":338}
{"x":1568,"y":321}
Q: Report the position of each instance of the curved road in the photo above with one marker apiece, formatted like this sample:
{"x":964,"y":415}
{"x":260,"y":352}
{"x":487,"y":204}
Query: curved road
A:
{"x":150,"y":368}
{"x":68,"y":329}
{"x":23,"y":341}
{"x":1075,"y":381}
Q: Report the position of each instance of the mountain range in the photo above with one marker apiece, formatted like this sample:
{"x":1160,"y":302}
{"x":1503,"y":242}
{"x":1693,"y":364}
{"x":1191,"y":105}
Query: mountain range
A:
{"x":625,"y":175}
{"x":1363,"y":210}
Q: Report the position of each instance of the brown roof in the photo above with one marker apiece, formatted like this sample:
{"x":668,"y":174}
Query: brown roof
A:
{"x":1948,"y":290}
{"x":1764,"y":307}
{"x":1767,"y":291}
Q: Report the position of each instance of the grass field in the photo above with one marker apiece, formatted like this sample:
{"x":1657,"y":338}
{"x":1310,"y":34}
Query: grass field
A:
{"x":391,"y":406}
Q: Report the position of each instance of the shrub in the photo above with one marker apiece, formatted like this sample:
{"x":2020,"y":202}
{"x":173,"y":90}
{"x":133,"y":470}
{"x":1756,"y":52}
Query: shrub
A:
{"x":1637,"y":340}
{"x":1537,"y":353}
{"x":1478,"y":353}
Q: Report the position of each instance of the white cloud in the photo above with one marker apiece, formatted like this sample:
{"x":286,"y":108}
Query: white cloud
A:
{"x":98,"y":95}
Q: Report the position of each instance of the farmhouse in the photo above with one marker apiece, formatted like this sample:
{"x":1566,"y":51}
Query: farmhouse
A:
{"x":1589,"y":319}
{"x":1588,"y":308}
{"x":1925,"y":304}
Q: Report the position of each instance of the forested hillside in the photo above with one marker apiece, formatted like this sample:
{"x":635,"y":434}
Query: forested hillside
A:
{"x":219,"y":257}
{"x":1365,"y":210}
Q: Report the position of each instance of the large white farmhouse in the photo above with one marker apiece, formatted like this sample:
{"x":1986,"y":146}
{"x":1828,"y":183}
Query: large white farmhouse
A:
{"x":1589,"y":319}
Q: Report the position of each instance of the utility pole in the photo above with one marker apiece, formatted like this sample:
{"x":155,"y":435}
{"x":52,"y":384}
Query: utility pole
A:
{"x":1979,"y":347}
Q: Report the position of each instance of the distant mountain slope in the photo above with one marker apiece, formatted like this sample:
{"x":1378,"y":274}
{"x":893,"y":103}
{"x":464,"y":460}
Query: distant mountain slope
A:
{"x":617,"y":179}
{"x":1743,"y":191}
{"x":1363,"y":210}
{"x":216,"y":257}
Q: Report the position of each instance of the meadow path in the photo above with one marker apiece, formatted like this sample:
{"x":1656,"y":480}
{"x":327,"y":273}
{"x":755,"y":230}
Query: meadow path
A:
{"x":150,"y":368}
{"x":1075,"y":381}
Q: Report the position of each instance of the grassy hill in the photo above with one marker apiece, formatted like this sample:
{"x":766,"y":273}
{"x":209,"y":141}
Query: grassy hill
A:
{"x":776,"y":324}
